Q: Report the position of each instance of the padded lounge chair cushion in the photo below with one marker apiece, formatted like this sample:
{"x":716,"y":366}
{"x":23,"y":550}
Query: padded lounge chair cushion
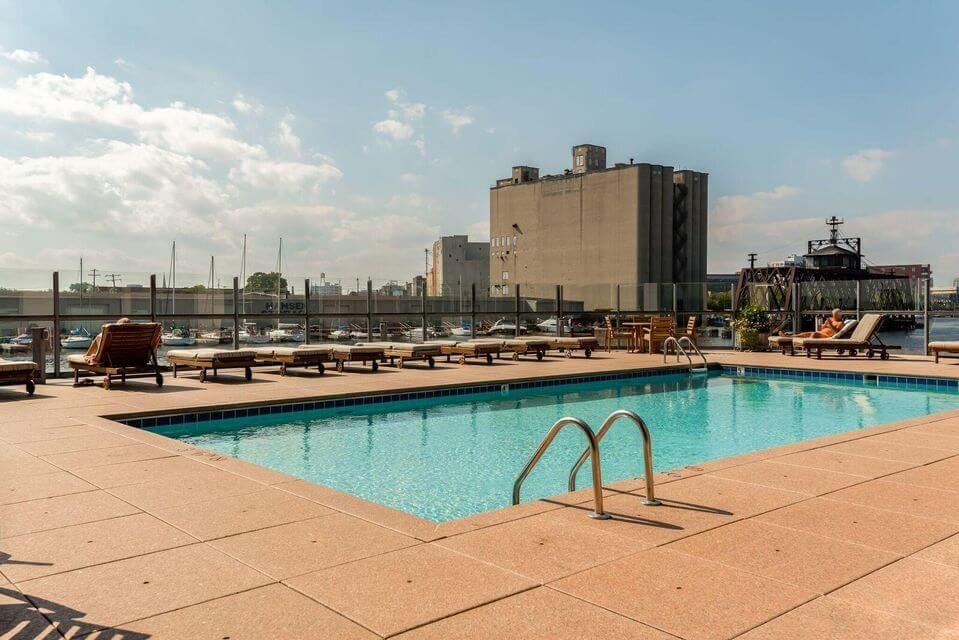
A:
{"x":945,"y":345}
{"x":351,"y":349}
{"x":307,"y":351}
{"x":11,"y":366}
{"x":211,"y":355}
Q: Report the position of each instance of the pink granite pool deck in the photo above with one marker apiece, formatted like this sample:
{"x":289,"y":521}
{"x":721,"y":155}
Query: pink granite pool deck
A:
{"x":107,"y":531}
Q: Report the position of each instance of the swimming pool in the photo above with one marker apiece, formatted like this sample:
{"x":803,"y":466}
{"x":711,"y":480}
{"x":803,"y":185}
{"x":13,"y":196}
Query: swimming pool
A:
{"x":447,"y":457}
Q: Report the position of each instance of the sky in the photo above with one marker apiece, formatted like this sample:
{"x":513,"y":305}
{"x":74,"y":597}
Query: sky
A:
{"x":360,"y":132}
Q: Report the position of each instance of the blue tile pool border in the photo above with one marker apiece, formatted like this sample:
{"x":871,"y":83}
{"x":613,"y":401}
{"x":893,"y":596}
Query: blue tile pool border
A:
{"x":806,"y":375}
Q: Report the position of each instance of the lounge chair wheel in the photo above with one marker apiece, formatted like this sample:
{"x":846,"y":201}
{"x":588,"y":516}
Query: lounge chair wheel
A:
{"x":321,"y":368}
{"x":588,"y":352}
{"x":31,"y":387}
{"x":159,"y":379}
{"x":489,"y":358}
{"x":202,"y":375}
{"x":248,"y":373}
{"x":884,"y":355}
{"x":539,"y":355}
{"x":462,"y":360}
{"x":568,"y":353}
{"x":431,"y":361}
{"x":339,"y":366}
{"x":106,"y":383}
{"x":376,"y":365}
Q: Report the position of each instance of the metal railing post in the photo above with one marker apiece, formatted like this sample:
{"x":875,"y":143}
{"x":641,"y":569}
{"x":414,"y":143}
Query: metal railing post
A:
{"x":473,"y":310}
{"x":306,"y":303}
{"x":153,"y":297}
{"x":858,"y":299}
{"x":423,"y":302}
{"x":796,"y":308}
{"x":675,"y":304}
{"x":236,"y":311}
{"x":56,"y":324}
{"x":516,"y":330}
{"x":38,"y":343}
{"x":618,"y":305}
{"x":925,"y":317}
{"x":559,"y":311}
{"x":369,"y":309}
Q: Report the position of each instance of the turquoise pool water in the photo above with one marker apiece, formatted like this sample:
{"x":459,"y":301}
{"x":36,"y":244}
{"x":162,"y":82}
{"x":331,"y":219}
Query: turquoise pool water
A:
{"x":449,"y":457}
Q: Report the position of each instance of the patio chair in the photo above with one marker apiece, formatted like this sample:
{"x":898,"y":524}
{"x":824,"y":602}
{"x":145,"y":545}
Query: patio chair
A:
{"x":18,"y":372}
{"x":124,"y":349}
{"x":212,"y":360}
{"x":660,"y":328}
{"x":943,"y":346}
{"x":614,"y":333}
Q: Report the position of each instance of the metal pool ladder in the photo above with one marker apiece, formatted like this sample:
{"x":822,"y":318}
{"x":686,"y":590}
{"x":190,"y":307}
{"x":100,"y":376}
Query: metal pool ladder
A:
{"x":678,"y":344}
{"x":695,"y":348}
{"x":650,"y":498}
{"x":592,"y":452}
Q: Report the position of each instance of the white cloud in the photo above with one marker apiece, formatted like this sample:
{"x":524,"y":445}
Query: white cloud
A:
{"x":479,"y":231}
{"x":411,"y":179}
{"x":392,"y":95}
{"x":285,"y":138}
{"x":421,"y":146}
{"x":457,"y":119}
{"x":864,"y":165}
{"x":394,"y":129}
{"x":22,"y":56}
{"x":737,"y":208}
{"x":244,"y":106}
{"x":123,"y":64}
{"x":98,"y":99}
{"x":289,"y":176}
{"x":35,"y":136}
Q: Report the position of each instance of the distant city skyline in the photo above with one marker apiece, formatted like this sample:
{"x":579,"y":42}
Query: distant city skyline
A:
{"x":361,"y":134}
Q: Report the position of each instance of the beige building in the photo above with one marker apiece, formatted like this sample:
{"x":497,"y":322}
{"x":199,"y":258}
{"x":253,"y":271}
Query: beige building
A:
{"x":457,"y":264}
{"x":595,"y":226}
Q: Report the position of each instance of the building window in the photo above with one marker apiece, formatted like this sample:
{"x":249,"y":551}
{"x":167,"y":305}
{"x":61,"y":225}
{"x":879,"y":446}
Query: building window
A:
{"x":579,"y":161}
{"x":506,"y":275}
{"x":514,"y":242}
{"x":505,"y":289}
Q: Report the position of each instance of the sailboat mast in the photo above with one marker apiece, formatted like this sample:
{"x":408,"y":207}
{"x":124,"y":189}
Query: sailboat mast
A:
{"x":173,"y":280}
{"x":81,"y":282}
{"x":243,"y":276}
{"x":279,"y":277}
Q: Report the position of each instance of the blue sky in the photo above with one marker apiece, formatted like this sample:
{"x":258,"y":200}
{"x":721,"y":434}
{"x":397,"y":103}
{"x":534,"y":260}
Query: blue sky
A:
{"x":360,"y":132}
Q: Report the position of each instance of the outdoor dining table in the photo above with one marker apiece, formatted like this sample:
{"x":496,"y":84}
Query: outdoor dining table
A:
{"x":637,"y":328}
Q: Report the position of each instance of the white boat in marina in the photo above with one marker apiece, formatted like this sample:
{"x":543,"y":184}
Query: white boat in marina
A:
{"x":285,"y":335}
{"x":178,"y":338}
{"x":460,"y":332}
{"x":78,"y":339}
{"x":246,"y":337}
{"x":342,"y":333}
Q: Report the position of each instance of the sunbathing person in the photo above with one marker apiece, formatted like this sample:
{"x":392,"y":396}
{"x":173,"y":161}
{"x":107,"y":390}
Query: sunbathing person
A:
{"x":829,"y":328}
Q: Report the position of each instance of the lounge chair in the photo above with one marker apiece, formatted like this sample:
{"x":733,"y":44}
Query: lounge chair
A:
{"x":531,"y":345}
{"x":304,"y":356}
{"x":568,"y":344}
{"x":398,"y":353}
{"x":864,"y":338}
{"x":343,"y":353}
{"x":789,"y":345}
{"x":122,"y":349}
{"x":212,"y":359}
{"x":18,"y":372}
{"x":470,"y":349}
{"x":943,"y":346}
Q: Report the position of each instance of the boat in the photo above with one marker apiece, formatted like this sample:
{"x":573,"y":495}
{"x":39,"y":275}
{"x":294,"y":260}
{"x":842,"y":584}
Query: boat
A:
{"x":221,"y":336}
{"x":177,"y":337}
{"x":547,"y":326}
{"x":77,"y":339}
{"x":250,"y":334}
{"x":286,"y":335}
{"x":504,"y":327}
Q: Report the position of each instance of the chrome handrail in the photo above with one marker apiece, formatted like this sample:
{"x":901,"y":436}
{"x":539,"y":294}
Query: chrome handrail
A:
{"x":695,"y":348}
{"x":679,"y":350}
{"x":592,"y":451}
{"x":650,"y":498}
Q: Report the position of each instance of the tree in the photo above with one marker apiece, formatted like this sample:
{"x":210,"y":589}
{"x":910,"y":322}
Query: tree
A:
{"x":85,"y":287}
{"x":719,"y":301}
{"x":265,"y":282}
{"x":197,"y":288}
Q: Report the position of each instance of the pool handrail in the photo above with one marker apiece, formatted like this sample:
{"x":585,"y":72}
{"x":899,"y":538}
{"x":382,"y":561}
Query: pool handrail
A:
{"x":592,"y":450}
{"x":679,"y":350}
{"x":695,"y":348}
{"x":650,"y":498}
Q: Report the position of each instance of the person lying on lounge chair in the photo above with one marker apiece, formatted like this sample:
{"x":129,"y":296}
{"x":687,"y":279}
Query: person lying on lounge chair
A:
{"x":829,"y":328}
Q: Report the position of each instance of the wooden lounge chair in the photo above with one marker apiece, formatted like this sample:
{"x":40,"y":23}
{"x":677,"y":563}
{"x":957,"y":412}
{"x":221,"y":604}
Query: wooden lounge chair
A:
{"x":690,"y":330}
{"x":304,"y":356}
{"x":470,"y":349}
{"x":343,"y":353}
{"x":568,"y":344}
{"x":398,"y":353}
{"x":122,"y":349}
{"x":18,"y":372}
{"x":212,"y":359}
{"x":864,"y":338}
{"x":660,"y":328}
{"x":528,"y":346}
{"x":943,"y":346}
{"x":789,"y":345}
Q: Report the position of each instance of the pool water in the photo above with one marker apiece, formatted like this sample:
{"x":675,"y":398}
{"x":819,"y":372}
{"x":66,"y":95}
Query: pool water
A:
{"x":449,"y":457}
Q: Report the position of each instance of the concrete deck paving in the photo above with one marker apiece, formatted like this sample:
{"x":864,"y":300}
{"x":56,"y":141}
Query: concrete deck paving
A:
{"x":108,"y":531}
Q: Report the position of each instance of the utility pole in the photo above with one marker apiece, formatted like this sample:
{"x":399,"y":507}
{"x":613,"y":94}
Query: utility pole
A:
{"x":426,"y":268}
{"x":752,"y":260}
{"x":113,"y":277}
{"x":93,"y":273}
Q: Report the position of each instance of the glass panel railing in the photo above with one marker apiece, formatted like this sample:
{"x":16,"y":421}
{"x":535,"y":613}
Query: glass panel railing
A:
{"x":26,"y":292}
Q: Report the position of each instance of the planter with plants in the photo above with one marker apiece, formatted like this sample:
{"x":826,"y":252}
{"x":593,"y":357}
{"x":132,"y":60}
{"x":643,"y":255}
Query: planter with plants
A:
{"x":751,"y":329}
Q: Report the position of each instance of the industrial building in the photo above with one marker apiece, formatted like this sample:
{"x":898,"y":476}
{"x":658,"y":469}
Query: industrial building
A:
{"x":457,"y":264}
{"x":594,"y":226}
